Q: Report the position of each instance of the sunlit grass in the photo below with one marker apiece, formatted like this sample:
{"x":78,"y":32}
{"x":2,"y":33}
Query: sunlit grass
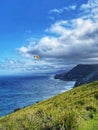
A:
{"x":76,"y":109}
{"x":90,"y":124}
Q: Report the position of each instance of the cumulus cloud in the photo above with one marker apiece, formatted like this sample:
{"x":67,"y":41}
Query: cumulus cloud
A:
{"x":71,"y":41}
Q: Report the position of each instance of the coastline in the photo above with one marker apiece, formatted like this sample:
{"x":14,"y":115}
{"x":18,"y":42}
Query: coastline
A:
{"x":51,"y":88}
{"x":18,"y":109}
{"x":70,"y":105}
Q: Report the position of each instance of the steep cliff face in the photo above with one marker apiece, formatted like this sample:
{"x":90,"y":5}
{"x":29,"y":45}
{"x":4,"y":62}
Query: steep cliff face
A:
{"x":82,"y":73}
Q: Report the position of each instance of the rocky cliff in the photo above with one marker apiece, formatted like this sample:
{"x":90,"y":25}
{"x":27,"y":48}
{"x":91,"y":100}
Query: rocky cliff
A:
{"x":82,"y":73}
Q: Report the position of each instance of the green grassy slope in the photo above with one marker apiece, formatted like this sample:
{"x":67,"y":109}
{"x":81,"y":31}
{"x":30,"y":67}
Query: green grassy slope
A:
{"x":76,"y":109}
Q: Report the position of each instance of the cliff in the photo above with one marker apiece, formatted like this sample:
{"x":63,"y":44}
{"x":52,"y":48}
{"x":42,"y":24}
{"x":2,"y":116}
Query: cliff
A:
{"x":82,"y":73}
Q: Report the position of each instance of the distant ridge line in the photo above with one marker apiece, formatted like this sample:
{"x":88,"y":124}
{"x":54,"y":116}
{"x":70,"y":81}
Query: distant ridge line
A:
{"x":81,"y":73}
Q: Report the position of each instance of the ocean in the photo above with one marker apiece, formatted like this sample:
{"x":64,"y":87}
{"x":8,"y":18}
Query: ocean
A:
{"x":20,"y":91}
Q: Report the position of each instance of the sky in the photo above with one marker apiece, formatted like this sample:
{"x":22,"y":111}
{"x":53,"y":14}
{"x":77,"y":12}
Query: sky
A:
{"x":63,"y":33}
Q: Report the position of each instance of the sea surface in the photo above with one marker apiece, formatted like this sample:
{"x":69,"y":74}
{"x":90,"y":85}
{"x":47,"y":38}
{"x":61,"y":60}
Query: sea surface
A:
{"x":21,"y":91}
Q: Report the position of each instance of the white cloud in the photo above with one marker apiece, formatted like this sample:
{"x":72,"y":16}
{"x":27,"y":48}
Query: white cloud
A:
{"x":55,"y":11}
{"x":61,"y":10}
{"x":25,"y":66}
{"x":72,"y":7}
{"x":69,"y":41}
{"x":76,"y":42}
{"x":90,"y":10}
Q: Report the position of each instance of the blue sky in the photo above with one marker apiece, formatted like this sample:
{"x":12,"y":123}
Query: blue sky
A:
{"x":64,"y":33}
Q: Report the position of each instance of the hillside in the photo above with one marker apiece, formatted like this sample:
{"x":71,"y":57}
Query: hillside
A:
{"x":82,"y":73}
{"x":76,"y":109}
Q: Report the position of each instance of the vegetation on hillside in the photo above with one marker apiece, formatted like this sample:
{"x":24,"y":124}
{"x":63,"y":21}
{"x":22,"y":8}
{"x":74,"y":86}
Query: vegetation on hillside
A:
{"x":76,"y":109}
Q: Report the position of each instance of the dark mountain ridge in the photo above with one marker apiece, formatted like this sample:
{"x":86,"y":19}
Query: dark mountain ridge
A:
{"x":82,"y":73}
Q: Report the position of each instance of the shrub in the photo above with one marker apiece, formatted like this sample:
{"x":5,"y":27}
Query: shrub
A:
{"x":37,"y":101}
{"x":17,"y":109}
{"x":96,"y":96}
{"x":91,"y":108}
{"x":91,"y":115}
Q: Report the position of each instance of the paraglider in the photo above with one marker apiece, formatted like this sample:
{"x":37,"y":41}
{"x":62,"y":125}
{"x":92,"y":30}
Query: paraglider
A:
{"x":37,"y":57}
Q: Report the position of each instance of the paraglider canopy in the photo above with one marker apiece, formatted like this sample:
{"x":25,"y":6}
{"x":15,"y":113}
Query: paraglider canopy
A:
{"x":37,"y":57}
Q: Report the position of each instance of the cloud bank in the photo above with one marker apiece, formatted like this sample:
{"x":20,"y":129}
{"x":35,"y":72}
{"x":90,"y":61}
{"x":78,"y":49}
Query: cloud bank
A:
{"x":71,"y":41}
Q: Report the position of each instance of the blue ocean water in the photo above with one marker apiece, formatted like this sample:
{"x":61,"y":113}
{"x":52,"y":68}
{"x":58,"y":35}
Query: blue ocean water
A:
{"x":18,"y":92}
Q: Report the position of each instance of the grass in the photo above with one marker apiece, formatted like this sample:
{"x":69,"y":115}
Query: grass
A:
{"x":90,"y":124}
{"x":76,"y":109}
